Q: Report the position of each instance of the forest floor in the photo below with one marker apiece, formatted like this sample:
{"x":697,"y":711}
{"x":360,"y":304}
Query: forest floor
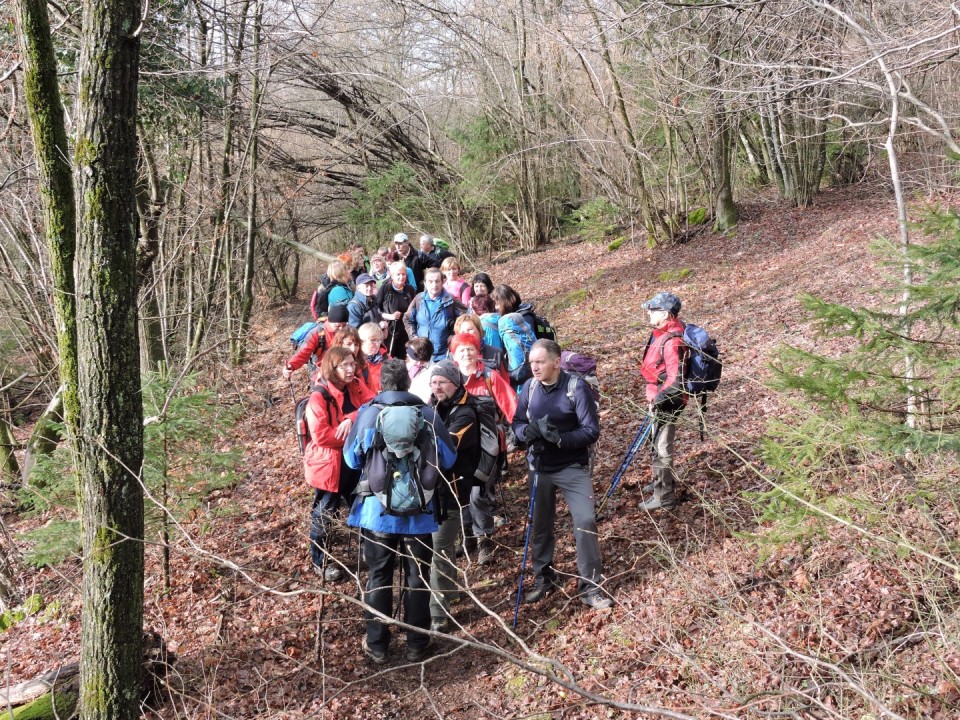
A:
{"x":712,"y":616}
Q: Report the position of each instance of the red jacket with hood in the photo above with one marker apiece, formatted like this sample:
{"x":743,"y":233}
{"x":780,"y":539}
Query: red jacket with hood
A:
{"x":662,"y":362}
{"x":324,"y":452}
{"x":312,"y":345}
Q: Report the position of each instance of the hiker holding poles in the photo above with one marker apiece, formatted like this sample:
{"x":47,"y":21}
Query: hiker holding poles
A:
{"x":393,"y":299}
{"x":661,"y":371}
{"x":559,"y":423}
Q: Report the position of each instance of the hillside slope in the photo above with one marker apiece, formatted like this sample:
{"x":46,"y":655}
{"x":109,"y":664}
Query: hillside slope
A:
{"x":709,"y":619}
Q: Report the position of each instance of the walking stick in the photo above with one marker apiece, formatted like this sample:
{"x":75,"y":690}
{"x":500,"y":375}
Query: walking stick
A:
{"x":638,"y":440}
{"x":526,"y":541}
{"x":393,"y":336}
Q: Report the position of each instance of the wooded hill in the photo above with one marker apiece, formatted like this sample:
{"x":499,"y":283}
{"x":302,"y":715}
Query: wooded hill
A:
{"x":757,"y":595}
{"x":168,"y":172}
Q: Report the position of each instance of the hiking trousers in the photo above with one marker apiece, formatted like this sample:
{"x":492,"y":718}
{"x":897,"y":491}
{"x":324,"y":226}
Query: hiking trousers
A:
{"x":444,"y":574}
{"x":664,"y":438}
{"x":381,"y":552}
{"x":325,"y":506}
{"x":577,"y":488}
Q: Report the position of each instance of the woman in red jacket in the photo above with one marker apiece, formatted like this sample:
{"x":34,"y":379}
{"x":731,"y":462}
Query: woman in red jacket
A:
{"x":330,"y":413}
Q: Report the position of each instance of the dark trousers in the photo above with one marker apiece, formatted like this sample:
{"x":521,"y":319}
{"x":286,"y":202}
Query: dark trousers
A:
{"x":381,"y":552}
{"x":575,"y":484}
{"x":325,"y":506}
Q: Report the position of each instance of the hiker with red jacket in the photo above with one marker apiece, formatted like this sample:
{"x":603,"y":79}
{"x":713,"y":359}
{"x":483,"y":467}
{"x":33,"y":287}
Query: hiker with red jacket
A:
{"x":330,"y":414}
{"x":374,"y":353}
{"x":317,"y":341}
{"x":661,"y":371}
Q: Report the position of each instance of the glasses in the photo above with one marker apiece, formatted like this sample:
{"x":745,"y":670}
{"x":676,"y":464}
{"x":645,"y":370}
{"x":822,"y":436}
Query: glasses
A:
{"x":440,"y":381}
{"x":347,"y":365}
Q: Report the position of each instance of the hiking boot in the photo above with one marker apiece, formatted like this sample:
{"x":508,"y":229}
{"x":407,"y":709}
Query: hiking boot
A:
{"x":377,"y":657}
{"x":418,"y":654}
{"x":332,"y":573}
{"x":664,"y":502}
{"x":500,"y":521}
{"x":469,"y":545}
{"x":542,"y":587}
{"x":485,"y":550}
{"x":648,"y":488}
{"x":595,"y":599}
{"x":440,"y":624}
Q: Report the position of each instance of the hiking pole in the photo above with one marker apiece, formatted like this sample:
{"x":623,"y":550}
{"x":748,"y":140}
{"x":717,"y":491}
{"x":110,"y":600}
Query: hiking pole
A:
{"x":526,"y":540}
{"x":393,"y":336}
{"x":638,"y":441}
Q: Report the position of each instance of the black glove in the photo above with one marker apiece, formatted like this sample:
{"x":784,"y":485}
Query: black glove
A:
{"x":531,"y":433}
{"x":537,"y":447}
{"x":548,"y":430}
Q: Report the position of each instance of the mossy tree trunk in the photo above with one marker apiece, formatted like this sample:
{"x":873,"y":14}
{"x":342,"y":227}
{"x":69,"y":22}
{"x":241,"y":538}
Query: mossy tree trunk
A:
{"x":110,"y":429}
{"x":720,"y":128}
{"x":49,"y":134}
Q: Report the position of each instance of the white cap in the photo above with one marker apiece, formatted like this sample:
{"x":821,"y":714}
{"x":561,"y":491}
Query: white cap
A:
{"x":400,"y":238}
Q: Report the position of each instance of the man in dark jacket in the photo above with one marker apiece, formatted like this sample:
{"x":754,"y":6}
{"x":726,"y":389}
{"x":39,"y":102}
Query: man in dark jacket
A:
{"x":557,"y":416}
{"x":388,"y":538}
{"x":435,"y":254}
{"x":661,"y":372}
{"x":455,"y":409}
{"x":413,"y":259}
{"x":363,"y":307}
{"x":392,"y":300}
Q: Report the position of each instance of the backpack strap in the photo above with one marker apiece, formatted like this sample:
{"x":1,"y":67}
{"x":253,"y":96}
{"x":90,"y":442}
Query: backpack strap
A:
{"x":321,"y":388}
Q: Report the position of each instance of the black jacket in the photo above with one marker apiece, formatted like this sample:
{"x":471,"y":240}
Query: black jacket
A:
{"x":461,"y":421}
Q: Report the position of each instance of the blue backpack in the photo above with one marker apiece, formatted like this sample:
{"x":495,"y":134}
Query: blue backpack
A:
{"x":701,"y":368}
{"x":517,"y":339}
{"x":300,"y":334}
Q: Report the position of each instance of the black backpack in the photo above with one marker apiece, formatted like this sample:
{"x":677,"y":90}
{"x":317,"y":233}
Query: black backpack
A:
{"x":300,"y":415}
{"x":491,"y":438}
{"x":541,"y":326}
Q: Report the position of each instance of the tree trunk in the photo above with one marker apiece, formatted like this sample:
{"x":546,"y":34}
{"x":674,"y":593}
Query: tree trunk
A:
{"x":56,"y":182}
{"x":250,"y":249}
{"x":720,"y":133}
{"x":9,"y":467}
{"x":110,"y":428}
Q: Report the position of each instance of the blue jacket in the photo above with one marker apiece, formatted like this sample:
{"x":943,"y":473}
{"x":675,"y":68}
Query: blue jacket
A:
{"x":367,"y":512}
{"x":433,"y":319}
{"x":361,"y":310}
{"x":574,"y":417}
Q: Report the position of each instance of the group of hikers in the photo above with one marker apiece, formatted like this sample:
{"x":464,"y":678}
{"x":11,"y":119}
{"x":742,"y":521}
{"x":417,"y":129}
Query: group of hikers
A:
{"x":421,"y":383}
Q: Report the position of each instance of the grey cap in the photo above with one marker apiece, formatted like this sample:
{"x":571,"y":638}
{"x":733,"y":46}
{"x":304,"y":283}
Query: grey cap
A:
{"x":364,"y":278}
{"x":663,"y":301}
{"x":449,"y":370}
